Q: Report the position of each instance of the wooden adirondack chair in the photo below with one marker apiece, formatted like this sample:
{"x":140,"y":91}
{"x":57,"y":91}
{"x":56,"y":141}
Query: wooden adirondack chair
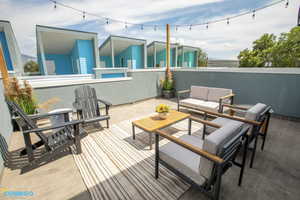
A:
{"x":87,"y":105}
{"x":64,"y":134}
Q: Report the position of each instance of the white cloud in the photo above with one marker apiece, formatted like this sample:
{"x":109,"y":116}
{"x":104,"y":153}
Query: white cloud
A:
{"x":220,"y":40}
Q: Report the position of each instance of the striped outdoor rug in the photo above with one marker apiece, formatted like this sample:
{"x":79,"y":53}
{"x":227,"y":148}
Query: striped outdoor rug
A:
{"x":114,"y":166}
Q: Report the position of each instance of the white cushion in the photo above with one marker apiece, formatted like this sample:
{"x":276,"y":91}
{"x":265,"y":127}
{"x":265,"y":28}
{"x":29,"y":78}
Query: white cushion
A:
{"x":183,"y":160}
{"x":214,"y":94}
{"x":214,"y":142}
{"x":199,"y":92}
{"x":207,"y":105}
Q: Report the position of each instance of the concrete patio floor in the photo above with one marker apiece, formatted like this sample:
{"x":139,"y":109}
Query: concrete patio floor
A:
{"x":276,"y":172}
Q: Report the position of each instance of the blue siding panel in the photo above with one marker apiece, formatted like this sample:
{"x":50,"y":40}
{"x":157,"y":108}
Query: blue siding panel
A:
{"x":86,"y":56}
{"x":6,"y":53}
{"x":62,"y":63}
{"x":113,"y":75}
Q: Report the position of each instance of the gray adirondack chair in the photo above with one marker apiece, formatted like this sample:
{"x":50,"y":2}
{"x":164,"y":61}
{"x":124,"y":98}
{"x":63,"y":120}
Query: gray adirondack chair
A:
{"x":68,"y":134}
{"x":87,"y":105}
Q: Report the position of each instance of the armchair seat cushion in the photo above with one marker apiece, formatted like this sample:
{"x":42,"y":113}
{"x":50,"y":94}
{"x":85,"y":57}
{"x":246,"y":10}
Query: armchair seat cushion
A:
{"x":183,"y":160}
{"x":197,"y":103}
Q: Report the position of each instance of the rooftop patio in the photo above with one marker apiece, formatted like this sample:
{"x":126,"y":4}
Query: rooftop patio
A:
{"x":274,"y":176}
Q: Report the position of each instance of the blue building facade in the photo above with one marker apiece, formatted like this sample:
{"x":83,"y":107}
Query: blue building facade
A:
{"x":76,"y":57}
{"x":10,"y":49}
{"x":123,"y":52}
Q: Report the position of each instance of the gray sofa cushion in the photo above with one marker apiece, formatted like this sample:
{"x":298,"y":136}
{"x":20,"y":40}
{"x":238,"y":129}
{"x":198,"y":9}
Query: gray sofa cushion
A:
{"x":214,"y":94}
{"x":214,"y":142}
{"x":198,"y":103}
{"x":185,"y":161}
{"x":199,"y":92}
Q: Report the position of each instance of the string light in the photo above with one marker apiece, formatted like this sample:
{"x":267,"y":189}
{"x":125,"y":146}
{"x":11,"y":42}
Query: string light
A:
{"x":110,"y":20}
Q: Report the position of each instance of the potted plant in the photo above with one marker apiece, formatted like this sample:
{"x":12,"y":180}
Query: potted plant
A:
{"x":162,"y":110}
{"x":23,"y":96}
{"x":168,"y":85}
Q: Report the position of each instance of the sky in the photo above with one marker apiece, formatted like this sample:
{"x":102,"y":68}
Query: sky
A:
{"x":220,"y":40}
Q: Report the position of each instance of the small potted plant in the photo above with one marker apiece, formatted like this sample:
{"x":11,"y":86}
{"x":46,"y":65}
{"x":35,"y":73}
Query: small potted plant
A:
{"x":162,"y":110}
{"x":168,"y":85}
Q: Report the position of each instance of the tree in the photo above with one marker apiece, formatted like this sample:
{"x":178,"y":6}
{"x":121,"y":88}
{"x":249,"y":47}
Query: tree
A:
{"x":202,"y":58}
{"x":270,"y":51}
{"x":31,"y":66}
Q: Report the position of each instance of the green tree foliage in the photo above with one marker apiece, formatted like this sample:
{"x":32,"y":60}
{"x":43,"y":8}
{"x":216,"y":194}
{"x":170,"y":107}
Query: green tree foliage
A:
{"x":268,"y":50}
{"x":202,"y":58}
{"x":31,"y":66}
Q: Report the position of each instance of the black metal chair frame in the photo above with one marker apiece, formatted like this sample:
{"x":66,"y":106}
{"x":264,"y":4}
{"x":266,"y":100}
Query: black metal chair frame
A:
{"x":230,"y":150}
{"x":69,"y":134}
{"x":89,"y":111}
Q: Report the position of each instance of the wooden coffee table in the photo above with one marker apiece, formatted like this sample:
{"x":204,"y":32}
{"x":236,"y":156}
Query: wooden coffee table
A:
{"x":153,"y":123}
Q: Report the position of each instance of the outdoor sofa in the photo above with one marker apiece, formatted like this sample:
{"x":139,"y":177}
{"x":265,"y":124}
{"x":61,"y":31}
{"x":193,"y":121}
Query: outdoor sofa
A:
{"x":208,"y":98}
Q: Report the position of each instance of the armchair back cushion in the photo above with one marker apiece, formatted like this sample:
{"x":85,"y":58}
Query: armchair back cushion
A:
{"x":214,"y":142}
{"x":199,"y":92}
{"x":214,"y":94}
{"x":254,"y":112}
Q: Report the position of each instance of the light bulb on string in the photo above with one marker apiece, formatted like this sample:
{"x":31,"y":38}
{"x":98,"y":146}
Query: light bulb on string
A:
{"x":207,"y":26}
{"x":190,"y":27}
{"x":83,"y":15}
{"x":287,"y":4}
{"x":126,"y":25}
{"x":107,"y":22}
{"x":142,"y":27}
{"x":155,"y":28}
{"x":227,"y":21}
{"x":55,"y":6}
{"x":253,"y":14}
{"x":176,"y":28}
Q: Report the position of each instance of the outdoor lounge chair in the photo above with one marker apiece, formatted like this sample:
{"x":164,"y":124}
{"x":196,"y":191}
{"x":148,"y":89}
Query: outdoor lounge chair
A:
{"x":87,"y":105}
{"x":258,"y":117}
{"x":202,"y":163}
{"x":63,"y":135}
{"x":208,"y":98}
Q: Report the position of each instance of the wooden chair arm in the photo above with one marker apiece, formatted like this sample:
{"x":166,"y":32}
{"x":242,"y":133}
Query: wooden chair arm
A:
{"x":209,"y":123}
{"x":104,"y":102}
{"x":235,"y":107}
{"x":252,"y":122}
{"x":190,"y":147}
{"x":227,"y":96}
{"x":53,"y":127}
{"x":183,"y":91}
